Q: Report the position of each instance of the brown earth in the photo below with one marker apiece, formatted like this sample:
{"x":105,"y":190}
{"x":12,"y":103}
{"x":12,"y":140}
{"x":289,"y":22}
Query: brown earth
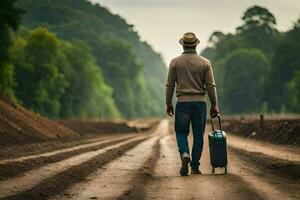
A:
{"x":284,"y":131}
{"x":21,"y":126}
{"x":43,"y":159}
{"x":23,"y":132}
{"x":90,"y":127}
{"x":99,"y":127}
{"x":146,"y":166}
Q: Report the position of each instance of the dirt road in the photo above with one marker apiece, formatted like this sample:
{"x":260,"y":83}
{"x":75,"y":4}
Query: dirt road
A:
{"x":145,"y":166}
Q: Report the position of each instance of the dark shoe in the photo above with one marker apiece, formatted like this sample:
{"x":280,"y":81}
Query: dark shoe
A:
{"x":195,"y":171}
{"x":184,"y":171}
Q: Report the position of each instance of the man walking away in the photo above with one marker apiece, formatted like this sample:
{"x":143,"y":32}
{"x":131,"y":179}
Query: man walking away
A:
{"x":193,"y":76}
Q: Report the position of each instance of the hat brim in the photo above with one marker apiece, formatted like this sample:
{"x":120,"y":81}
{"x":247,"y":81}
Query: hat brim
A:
{"x":189,"y":45}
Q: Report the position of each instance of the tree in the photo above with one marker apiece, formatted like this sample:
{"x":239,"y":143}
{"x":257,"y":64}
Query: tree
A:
{"x":87,"y":94}
{"x":228,"y":44}
{"x":284,"y":65}
{"x":297,"y":24}
{"x":216,"y":37}
{"x":221,"y":46}
{"x":245,"y":71}
{"x":101,"y":30}
{"x":10,"y":17}
{"x":293,"y":88}
{"x":60,"y":79}
{"x":259,"y":16}
{"x":40,"y":83}
{"x":243,"y":54}
{"x":123,"y":78}
{"x":259,"y":29}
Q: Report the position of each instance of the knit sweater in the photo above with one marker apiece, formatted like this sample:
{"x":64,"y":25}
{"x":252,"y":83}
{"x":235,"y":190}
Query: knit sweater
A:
{"x":193,"y":76}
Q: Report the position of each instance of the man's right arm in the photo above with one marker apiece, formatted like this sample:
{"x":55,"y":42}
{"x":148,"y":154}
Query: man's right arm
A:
{"x":170,"y":86}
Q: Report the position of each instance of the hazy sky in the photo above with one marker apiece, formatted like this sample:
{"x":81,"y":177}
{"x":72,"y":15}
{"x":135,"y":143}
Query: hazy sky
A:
{"x":162,"y":22}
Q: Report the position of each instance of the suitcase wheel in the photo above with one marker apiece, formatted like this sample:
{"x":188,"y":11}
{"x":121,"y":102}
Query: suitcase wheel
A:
{"x":225,"y":170}
{"x":213,"y":170}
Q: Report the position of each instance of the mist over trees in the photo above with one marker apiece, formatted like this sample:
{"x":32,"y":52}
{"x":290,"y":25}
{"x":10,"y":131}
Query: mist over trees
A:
{"x":73,"y":59}
{"x":257,"y":67}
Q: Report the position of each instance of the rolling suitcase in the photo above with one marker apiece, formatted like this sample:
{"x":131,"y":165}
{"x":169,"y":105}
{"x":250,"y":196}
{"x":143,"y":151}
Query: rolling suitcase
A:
{"x":217,"y":147}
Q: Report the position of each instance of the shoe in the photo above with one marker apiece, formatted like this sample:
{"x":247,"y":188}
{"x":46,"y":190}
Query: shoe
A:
{"x":195,"y":171}
{"x":184,"y":171}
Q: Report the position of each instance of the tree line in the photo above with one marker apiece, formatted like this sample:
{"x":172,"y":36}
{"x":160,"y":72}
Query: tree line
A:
{"x":257,"y":68}
{"x":73,"y":59}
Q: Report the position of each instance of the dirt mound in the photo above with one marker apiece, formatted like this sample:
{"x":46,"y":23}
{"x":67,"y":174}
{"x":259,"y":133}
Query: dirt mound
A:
{"x":278,"y":131}
{"x":21,"y":126}
{"x":86,"y":127}
{"x":98,"y":127}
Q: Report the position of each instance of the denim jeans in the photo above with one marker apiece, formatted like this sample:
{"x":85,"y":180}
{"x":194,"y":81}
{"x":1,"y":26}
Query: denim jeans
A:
{"x":187,"y":113}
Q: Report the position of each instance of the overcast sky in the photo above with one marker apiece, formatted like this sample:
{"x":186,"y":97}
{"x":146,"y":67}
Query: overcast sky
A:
{"x":162,"y":22}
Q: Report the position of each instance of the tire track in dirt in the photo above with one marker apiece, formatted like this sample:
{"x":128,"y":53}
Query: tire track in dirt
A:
{"x":113,"y":179}
{"x":25,"y":150}
{"x":122,"y":175}
{"x":270,"y":183}
{"x":11,"y":169}
{"x":147,"y":167}
{"x":59,"y":175}
{"x":137,"y":185}
{"x":282,"y":161}
{"x":143,"y":175}
{"x":168,"y":184}
{"x":289,"y":169}
{"x":269,"y":150}
{"x":52,"y":153}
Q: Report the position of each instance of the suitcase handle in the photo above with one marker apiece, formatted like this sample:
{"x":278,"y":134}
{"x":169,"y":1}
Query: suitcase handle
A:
{"x":212,"y":123}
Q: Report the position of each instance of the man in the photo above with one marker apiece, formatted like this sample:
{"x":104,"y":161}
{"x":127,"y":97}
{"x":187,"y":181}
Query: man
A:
{"x":193,"y":76}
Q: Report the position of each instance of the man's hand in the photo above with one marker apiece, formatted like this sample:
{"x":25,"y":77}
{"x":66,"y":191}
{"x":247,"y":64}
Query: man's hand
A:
{"x":214,"y":111}
{"x":170,"y":110}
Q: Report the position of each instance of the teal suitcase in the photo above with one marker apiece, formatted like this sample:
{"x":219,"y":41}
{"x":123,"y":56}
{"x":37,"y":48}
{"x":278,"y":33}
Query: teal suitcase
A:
{"x":218,"y":147}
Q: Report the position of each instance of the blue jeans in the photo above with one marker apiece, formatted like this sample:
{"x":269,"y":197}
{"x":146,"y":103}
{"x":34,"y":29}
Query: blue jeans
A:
{"x":187,"y":113}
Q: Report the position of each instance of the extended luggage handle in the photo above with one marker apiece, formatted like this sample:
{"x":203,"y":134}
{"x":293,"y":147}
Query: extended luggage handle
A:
{"x":212,"y":123}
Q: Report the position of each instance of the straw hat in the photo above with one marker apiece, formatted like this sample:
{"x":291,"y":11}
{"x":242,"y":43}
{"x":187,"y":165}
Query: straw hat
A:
{"x":189,"y":39}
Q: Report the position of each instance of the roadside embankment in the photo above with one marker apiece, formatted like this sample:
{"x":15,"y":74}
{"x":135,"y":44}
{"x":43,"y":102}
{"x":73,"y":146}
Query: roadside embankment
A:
{"x":99,"y":127}
{"x":23,"y":132}
{"x":277,"y":130}
{"x":21,"y":126}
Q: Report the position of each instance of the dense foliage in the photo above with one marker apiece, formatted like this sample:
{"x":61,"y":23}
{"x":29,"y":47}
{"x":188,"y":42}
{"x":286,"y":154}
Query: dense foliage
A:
{"x":9,"y":20}
{"x":134,"y":71}
{"x":59,"y":79}
{"x":257,"y":68}
{"x":283,"y":85}
{"x":84,"y":62}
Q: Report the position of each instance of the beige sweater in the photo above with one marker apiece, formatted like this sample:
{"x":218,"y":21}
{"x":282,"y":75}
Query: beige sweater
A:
{"x":193,"y":76}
